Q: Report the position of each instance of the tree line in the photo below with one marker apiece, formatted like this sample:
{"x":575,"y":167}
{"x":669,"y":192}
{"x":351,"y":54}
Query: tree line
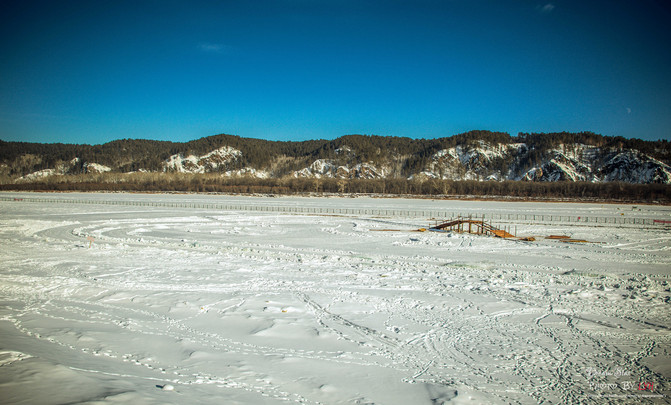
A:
{"x":215,"y":183}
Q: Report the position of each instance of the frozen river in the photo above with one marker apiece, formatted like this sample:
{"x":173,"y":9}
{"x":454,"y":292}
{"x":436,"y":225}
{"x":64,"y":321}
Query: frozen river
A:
{"x":199,"y":299}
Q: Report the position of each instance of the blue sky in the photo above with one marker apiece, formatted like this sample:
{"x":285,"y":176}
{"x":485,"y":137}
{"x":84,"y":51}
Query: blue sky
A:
{"x":95,"y":71}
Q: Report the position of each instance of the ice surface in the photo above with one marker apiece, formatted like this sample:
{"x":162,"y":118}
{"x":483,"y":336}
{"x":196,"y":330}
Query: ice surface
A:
{"x":114,"y":304}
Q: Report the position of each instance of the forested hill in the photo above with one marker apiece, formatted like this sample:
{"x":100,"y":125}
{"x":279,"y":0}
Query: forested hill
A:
{"x":475,"y":155}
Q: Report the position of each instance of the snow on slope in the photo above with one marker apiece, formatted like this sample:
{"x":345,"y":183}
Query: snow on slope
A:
{"x":40,"y":174}
{"x":95,"y":168}
{"x":482,"y":161}
{"x":65,"y":168}
{"x":319,"y":168}
{"x":589,"y":163}
{"x":201,"y":164}
{"x":248,"y":172}
{"x":470,"y":163}
{"x":634,"y":167}
{"x":477,"y":160}
{"x":177,"y":306}
{"x":329,"y":169}
{"x":565,"y":163}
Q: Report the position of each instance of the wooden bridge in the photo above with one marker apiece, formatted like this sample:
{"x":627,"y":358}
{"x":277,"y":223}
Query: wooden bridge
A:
{"x":474,"y":226}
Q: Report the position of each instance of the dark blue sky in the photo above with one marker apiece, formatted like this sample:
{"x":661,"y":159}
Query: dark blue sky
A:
{"x":95,"y":71}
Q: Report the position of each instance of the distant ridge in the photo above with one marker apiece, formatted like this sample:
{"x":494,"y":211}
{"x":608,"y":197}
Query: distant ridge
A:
{"x":475,"y":155}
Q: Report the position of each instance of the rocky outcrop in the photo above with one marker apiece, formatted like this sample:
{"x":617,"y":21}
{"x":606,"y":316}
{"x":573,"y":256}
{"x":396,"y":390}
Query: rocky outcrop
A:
{"x":210,"y":162}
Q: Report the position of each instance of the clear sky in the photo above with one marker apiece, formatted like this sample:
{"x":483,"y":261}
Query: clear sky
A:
{"x":98,"y":70}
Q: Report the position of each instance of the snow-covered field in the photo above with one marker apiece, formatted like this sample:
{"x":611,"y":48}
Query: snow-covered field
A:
{"x":120,"y":304}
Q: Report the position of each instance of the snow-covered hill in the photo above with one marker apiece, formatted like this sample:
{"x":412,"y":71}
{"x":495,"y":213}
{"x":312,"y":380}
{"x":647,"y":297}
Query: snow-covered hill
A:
{"x":481,"y":162}
{"x":635,"y":167}
{"x":565,"y":163}
{"x":481,"y":156}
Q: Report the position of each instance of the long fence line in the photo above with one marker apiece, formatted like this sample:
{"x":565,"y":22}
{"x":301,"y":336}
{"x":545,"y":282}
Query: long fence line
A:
{"x":431,"y":214}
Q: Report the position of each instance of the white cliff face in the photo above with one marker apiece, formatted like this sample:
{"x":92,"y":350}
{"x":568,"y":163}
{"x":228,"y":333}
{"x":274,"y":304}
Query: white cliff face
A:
{"x":561,"y":166}
{"x":63,"y":168}
{"x":635,"y":167}
{"x":247,"y":172}
{"x":483,"y":161}
{"x":40,"y":174}
{"x":565,"y":163}
{"x":477,"y":160}
{"x":329,"y":169}
{"x":596,"y":165}
{"x":367,"y":171}
{"x":95,"y":168}
{"x":201,"y":164}
{"x":318,"y":169}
